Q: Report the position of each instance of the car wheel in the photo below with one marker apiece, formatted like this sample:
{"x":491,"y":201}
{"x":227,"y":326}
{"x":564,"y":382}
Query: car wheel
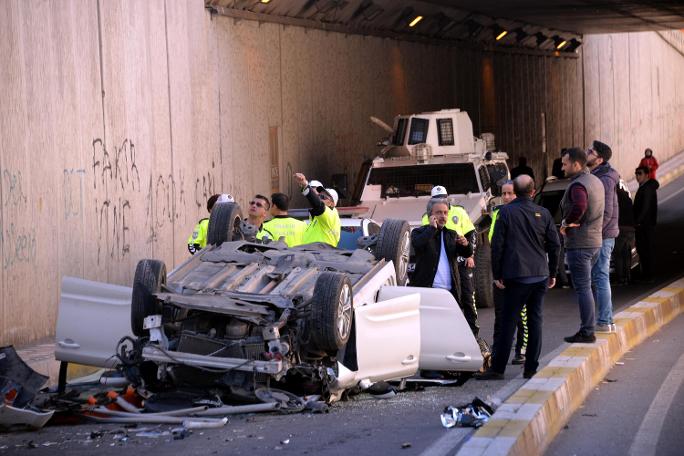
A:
{"x":394,"y":244}
{"x":149,"y":277}
{"x":224,"y":223}
{"x":332,"y":312}
{"x":484,"y":281}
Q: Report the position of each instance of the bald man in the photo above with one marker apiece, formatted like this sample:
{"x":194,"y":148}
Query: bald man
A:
{"x":525,"y":250}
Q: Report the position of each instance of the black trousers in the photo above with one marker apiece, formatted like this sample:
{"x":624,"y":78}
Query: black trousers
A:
{"x":521,"y":325}
{"x":623,"y":254}
{"x":516,"y":295}
{"x":645,"y":244}
{"x":466,"y":297}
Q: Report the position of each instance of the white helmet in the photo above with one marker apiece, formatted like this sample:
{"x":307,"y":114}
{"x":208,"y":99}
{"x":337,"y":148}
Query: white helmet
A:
{"x":333,"y":194}
{"x":438,"y":190}
{"x":225,"y":198}
{"x":316,"y":184}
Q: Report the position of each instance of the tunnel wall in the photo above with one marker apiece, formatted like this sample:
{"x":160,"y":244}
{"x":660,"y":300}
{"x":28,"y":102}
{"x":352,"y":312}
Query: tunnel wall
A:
{"x":119,"y":119}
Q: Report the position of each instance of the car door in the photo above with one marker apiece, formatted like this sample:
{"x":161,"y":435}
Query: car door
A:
{"x":387,"y":337}
{"x":446,"y":341}
{"x":92,"y":318}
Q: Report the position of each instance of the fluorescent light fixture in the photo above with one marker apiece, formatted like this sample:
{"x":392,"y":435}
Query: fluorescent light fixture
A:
{"x":501,"y":35}
{"x":265,"y":1}
{"x":415,"y":21}
{"x":561,"y":44}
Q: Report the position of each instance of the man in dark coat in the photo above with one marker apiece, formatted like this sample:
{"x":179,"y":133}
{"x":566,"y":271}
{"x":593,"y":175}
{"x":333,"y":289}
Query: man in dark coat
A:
{"x":598,"y":157}
{"x":437,"y":249}
{"x":645,"y":220}
{"x":522,"y":168}
{"x":625,"y":240}
{"x":525,"y":251}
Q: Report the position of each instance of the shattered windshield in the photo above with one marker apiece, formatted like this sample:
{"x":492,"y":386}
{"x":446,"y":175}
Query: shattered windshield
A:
{"x":458,"y":178}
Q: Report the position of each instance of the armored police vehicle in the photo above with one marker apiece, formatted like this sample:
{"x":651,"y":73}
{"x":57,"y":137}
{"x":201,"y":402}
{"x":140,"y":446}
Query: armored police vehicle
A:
{"x":436,"y":148}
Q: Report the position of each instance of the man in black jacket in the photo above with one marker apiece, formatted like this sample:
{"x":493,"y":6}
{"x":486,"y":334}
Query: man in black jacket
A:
{"x":645,"y":219}
{"x":437,"y":249}
{"x":525,"y":251}
{"x":625,"y":240}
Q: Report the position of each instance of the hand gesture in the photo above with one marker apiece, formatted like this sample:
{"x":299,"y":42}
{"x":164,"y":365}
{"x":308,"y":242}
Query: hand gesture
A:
{"x":301,"y":180}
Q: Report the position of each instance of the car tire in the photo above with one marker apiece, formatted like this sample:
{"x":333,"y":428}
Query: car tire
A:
{"x":332,"y":311}
{"x":149,"y":277}
{"x":224,"y":223}
{"x":484,"y":280}
{"x":394,"y":244}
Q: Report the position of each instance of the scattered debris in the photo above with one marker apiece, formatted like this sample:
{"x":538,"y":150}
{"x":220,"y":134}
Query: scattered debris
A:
{"x":406,"y":445}
{"x":12,"y":417}
{"x":474,"y":414}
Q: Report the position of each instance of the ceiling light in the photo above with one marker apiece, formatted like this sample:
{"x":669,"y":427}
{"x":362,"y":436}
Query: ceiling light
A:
{"x":501,"y":35}
{"x":561,"y":44}
{"x":265,"y":1}
{"x":415,"y":21}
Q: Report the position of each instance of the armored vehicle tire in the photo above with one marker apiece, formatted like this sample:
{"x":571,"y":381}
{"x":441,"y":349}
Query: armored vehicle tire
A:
{"x":149,"y":277}
{"x":394,"y":244}
{"x":224,"y":223}
{"x":484,"y":281}
{"x":331,"y":312}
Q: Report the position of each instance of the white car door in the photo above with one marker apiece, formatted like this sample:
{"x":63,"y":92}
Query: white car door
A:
{"x":387,"y":338}
{"x":92,"y":318}
{"x":446,"y":341}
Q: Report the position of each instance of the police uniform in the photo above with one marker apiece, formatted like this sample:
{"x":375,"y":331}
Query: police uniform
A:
{"x":324,"y":228}
{"x":198,"y":239}
{"x":521,"y":342}
{"x":459,"y":221}
{"x":283,"y":226}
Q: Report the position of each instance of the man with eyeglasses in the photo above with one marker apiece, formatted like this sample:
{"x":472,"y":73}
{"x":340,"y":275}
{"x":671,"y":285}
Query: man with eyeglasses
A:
{"x":645,"y":219}
{"x":324,"y":225}
{"x":253,"y":227}
{"x":598,"y":156}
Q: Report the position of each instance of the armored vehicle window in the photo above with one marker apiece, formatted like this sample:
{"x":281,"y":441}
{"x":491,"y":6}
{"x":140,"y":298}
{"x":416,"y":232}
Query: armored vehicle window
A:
{"x":400,"y":132}
{"x":418,"y":180}
{"x":419,"y":130}
{"x":484,"y":178}
{"x":498,"y":174}
{"x":446,"y":132}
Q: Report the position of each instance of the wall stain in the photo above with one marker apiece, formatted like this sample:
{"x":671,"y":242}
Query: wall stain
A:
{"x":73,"y":192}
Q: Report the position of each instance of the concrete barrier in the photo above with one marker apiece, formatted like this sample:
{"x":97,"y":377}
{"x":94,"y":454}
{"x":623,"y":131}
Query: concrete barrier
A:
{"x":528,"y":421}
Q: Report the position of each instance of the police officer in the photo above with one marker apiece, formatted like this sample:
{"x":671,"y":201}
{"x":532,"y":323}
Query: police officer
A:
{"x":460,"y":222}
{"x":198,"y":239}
{"x":508,"y":195}
{"x":324,"y":225}
{"x":252,"y":227}
{"x":282,"y":225}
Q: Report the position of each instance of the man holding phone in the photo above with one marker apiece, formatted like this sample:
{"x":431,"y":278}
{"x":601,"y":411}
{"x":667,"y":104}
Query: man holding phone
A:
{"x":437,"y":249}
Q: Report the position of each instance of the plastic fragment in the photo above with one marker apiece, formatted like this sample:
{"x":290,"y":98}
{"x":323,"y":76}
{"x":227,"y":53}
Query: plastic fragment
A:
{"x":475,"y":414}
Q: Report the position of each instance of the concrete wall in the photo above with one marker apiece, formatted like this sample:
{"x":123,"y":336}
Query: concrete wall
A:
{"x":120,"y":118}
{"x":633,"y":96}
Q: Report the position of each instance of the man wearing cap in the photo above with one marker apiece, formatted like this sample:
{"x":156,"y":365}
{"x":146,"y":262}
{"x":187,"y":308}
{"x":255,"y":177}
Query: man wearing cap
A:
{"x":460,"y":222}
{"x":282,"y":225}
{"x":325,"y":223}
{"x":198,"y":239}
{"x":598,"y":156}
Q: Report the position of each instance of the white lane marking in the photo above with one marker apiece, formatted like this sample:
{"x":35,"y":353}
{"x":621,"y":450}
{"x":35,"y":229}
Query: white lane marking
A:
{"x":646,"y":440}
{"x":670,"y":196}
{"x":453,"y":437}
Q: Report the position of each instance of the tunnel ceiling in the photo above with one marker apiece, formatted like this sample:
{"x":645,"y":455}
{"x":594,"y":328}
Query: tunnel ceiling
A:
{"x":539,"y":24}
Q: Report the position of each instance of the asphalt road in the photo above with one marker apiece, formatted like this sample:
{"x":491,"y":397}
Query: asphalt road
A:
{"x":407,"y":423}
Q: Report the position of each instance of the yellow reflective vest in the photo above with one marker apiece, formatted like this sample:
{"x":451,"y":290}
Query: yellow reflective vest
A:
{"x":458,"y":221}
{"x":495,"y":214}
{"x":198,"y":238}
{"x":324,"y":228}
{"x":283,"y":226}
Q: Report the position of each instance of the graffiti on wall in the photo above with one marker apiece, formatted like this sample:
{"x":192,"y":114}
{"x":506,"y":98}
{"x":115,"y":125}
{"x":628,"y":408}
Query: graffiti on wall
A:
{"x":165,"y":197}
{"x":72,"y":188}
{"x":205,"y":186}
{"x":113,"y":217}
{"x":18,"y":242}
{"x":13,"y":189}
{"x":117,"y":168}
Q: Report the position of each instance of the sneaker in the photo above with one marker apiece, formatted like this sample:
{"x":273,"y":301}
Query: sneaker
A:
{"x":489,"y":375}
{"x":613,"y":327}
{"x":603,"y":328}
{"x":518,"y":359}
{"x":529,"y":374}
{"x":580,"y":338}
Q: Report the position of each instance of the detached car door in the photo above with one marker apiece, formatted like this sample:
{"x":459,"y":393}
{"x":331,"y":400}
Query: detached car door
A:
{"x":92,"y":318}
{"x":446,"y":341}
{"x":387,"y":337}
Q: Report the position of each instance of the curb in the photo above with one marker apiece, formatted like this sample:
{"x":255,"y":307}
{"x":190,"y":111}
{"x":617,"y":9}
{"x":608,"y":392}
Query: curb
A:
{"x":528,"y":421}
{"x":671,"y":175}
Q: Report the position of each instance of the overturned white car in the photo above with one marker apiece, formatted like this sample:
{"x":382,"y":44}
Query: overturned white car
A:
{"x":241,"y":315}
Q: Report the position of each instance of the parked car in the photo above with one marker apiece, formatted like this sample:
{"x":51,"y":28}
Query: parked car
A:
{"x":240,"y":315}
{"x":550,"y":196}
